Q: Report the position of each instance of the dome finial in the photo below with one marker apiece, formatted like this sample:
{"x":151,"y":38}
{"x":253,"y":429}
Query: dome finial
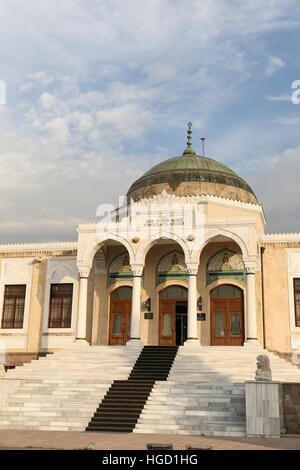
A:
{"x":189,"y":141}
{"x":203,"y":140}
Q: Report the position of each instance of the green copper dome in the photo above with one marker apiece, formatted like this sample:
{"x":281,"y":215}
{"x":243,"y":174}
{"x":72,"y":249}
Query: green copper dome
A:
{"x":189,"y":168}
{"x":190,"y":175}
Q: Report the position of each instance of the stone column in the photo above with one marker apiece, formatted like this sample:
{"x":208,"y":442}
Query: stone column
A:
{"x":135,"y":330}
{"x":82,"y":306}
{"x":251,"y":321}
{"x":192,"y":329}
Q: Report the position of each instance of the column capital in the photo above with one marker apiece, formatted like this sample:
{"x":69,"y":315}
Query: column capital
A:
{"x":250,"y":265}
{"x":84,"y":271}
{"x":137,"y":269}
{"x":192,"y":268}
{"x":250,"y":269}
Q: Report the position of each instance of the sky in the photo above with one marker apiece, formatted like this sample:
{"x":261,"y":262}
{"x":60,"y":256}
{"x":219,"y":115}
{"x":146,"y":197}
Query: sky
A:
{"x":99,"y":91}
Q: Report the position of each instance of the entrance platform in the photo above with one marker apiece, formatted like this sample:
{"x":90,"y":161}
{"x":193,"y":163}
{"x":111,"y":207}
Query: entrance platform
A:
{"x":57,"y":440}
{"x":203,"y":393}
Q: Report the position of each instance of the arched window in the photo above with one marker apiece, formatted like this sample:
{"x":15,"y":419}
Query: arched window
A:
{"x":174,"y":292}
{"x":226,"y":290}
{"x":124,"y":292}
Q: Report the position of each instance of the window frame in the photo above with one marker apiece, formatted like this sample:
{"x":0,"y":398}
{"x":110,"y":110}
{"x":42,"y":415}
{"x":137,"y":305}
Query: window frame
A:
{"x":297,"y":321}
{"x":61,"y":306}
{"x":5,"y":297}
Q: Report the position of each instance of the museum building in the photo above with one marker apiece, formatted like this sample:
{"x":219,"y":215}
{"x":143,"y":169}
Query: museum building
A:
{"x":184,"y":261}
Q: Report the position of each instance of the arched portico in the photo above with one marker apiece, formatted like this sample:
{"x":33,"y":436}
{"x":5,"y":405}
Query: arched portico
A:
{"x":86,"y":267}
{"x":223,"y":235}
{"x":223,"y":262}
{"x":140,"y":249}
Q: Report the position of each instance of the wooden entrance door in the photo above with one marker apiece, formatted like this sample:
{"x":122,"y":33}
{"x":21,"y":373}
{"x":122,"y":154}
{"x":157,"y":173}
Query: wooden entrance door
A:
{"x":120,"y":316}
{"x":227,"y":325}
{"x":170,"y":299}
{"x":167,"y":325}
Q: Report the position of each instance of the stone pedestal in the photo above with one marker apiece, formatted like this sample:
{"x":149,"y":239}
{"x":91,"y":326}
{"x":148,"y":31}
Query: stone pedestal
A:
{"x":264,"y":409}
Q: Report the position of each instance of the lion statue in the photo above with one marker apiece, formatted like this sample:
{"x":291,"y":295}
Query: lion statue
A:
{"x":263,"y":372}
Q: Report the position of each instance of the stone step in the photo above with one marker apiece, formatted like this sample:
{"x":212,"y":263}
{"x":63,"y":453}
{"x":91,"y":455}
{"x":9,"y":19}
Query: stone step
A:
{"x":189,"y":432}
{"x":195,"y":391}
{"x":214,"y":426}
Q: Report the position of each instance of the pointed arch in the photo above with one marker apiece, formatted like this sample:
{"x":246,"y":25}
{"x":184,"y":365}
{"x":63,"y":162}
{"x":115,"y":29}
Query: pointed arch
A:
{"x":231,"y":237}
{"x":149,"y":243}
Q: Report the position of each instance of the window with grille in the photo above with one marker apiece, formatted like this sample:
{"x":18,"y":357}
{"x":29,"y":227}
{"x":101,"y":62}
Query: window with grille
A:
{"x":60,"y":312}
{"x":13,"y":306}
{"x":297,"y":301}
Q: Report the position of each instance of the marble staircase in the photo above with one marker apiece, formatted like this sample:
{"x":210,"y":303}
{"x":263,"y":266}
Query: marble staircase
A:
{"x":205,"y":392}
{"x":62,"y":390}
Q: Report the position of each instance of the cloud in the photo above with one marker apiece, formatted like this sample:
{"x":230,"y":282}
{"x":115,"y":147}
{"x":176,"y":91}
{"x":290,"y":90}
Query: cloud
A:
{"x":278,"y":190}
{"x":274,"y":64}
{"x":98,"y":91}
{"x":278,"y":98}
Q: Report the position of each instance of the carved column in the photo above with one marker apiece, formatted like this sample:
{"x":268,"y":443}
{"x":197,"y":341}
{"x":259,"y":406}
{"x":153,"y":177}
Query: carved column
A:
{"x":251,"y":320}
{"x":135,"y":330}
{"x":192,"y":329}
{"x":82,"y":304}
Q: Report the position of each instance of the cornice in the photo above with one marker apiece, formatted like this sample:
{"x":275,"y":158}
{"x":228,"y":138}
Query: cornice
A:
{"x":87,"y":226}
{"x":164,"y":197}
{"x":37,"y":248}
{"x":281,"y":238}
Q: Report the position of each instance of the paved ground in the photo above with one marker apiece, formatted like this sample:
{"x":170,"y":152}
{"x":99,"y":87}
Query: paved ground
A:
{"x":74,"y":440}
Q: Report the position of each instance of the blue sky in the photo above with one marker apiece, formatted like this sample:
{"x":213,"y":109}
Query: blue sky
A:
{"x":97,"y":92}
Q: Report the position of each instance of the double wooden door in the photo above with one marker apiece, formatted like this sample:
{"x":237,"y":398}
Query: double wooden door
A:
{"x":120,"y":316}
{"x":227,"y":328}
{"x":172,"y":322}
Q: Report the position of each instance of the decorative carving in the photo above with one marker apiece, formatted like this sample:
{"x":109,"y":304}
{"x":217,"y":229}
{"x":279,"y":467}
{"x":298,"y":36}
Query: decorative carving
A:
{"x":119,"y":269}
{"x":226,"y":260}
{"x":263,"y":372}
{"x":84,"y":271}
{"x":191,"y":238}
{"x":173,"y":261}
{"x":225,"y":263}
{"x":250,"y":269}
{"x":172,"y":265}
{"x":192,"y":269}
{"x":137,"y":269}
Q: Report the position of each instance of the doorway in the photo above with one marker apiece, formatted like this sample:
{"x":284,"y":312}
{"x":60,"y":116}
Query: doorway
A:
{"x":120,"y":316}
{"x":173,"y":316}
{"x":227,"y":316}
